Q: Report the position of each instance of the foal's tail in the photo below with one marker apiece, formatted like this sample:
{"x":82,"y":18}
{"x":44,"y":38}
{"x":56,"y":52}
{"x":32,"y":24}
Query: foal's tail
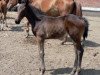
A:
{"x":85,"y":35}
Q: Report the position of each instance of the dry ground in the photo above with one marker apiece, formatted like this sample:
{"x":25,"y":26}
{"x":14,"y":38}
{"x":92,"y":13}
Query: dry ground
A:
{"x":19,"y":55}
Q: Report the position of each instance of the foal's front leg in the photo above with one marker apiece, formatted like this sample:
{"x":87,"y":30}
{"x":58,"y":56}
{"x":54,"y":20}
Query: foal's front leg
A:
{"x":41,"y":54}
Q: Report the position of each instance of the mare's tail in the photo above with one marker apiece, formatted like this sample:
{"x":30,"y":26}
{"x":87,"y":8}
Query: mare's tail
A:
{"x":85,"y":35}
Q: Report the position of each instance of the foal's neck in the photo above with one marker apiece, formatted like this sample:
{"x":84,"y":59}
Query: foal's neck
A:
{"x":31,"y":16}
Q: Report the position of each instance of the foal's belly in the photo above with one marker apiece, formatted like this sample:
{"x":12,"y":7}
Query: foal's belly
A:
{"x":54,"y":35}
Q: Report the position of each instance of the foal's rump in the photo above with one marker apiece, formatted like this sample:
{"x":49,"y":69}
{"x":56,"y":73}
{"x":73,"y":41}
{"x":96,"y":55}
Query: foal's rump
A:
{"x":77,"y":23}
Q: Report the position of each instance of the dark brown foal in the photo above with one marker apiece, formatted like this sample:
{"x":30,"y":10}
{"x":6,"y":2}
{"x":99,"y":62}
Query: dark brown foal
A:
{"x":46,"y":27}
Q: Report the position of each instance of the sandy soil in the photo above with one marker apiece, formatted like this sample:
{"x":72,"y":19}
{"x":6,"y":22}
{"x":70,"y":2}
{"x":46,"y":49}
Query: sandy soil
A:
{"x":19,"y":55}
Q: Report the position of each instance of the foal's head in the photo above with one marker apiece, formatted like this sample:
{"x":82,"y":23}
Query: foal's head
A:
{"x":25,"y":9}
{"x":21,"y":13}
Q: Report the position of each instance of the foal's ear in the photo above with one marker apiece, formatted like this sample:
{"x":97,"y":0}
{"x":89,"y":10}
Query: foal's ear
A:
{"x":27,"y":2}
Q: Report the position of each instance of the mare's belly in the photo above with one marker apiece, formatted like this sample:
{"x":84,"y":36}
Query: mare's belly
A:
{"x":53,"y":12}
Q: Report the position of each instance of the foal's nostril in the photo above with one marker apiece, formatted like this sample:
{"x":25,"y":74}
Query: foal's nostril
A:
{"x":17,"y":22}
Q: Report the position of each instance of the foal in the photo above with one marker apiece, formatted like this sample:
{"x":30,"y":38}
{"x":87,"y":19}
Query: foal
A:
{"x":53,"y":27}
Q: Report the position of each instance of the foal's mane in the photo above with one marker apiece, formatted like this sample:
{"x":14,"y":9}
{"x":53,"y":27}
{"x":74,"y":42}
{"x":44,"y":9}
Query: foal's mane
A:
{"x":32,"y":12}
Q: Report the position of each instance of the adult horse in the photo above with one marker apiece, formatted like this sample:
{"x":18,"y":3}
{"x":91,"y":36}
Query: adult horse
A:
{"x":52,"y":7}
{"x":46,"y":27}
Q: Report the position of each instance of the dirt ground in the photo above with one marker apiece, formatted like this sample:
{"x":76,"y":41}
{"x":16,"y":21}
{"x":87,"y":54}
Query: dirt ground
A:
{"x":19,"y":55}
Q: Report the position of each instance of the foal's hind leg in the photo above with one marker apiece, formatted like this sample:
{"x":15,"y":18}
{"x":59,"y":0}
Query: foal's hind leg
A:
{"x":41,"y":54}
{"x":78,"y":55}
{"x":78,"y":59}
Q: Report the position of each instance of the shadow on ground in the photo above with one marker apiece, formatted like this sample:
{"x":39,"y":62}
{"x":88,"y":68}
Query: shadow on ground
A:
{"x":89,"y":43}
{"x":61,"y":71}
{"x":17,"y":28}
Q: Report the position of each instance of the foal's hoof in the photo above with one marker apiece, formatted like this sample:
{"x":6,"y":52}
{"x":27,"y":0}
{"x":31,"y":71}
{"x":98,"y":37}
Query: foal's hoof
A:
{"x":27,"y":36}
{"x":42,"y":71}
{"x":77,"y":73}
{"x":73,"y":72}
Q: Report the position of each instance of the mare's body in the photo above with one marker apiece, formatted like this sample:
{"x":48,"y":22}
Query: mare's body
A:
{"x":53,"y":7}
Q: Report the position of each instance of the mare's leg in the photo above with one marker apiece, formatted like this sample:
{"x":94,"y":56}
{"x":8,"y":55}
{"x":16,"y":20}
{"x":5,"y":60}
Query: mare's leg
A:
{"x":2,"y":19}
{"x":41,"y":54}
{"x":27,"y":29}
{"x":78,"y":55}
{"x":5,"y":20}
